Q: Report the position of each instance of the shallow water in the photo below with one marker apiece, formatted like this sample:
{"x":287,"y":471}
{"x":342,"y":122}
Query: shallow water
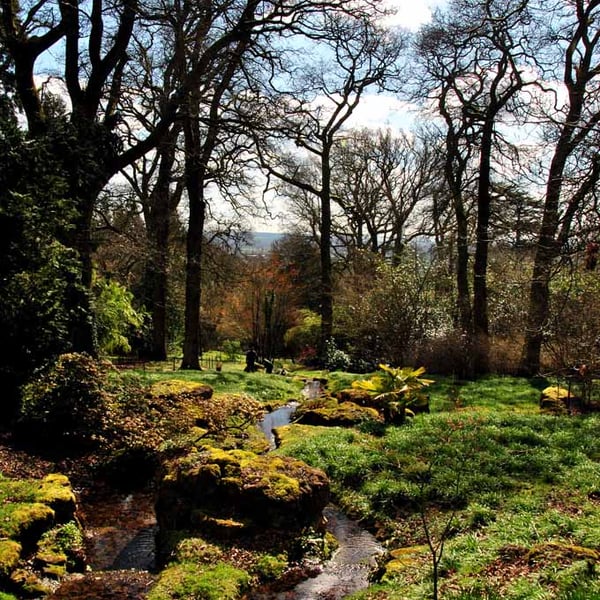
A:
{"x":119,"y":531}
{"x":348,"y":570}
{"x":277,"y":418}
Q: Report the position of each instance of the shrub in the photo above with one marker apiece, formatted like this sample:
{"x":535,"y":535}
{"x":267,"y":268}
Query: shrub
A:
{"x":116,"y":318}
{"x":66,"y":400}
{"x":305,"y":335}
{"x":232,"y":349}
{"x":335,"y":359}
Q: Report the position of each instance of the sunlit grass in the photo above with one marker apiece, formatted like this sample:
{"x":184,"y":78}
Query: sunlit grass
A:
{"x":514,"y":480}
{"x":265,"y":387}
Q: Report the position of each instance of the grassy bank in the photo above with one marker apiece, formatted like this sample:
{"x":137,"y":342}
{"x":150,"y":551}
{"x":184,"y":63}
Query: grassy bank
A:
{"x":513,"y":495}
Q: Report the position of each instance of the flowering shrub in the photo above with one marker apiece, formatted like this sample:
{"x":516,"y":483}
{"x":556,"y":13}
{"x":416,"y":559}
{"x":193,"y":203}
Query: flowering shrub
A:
{"x":335,"y":359}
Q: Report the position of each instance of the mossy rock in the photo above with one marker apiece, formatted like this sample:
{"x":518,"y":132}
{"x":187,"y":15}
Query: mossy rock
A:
{"x":356,"y":395}
{"x":257,"y":490}
{"x":198,"y":550}
{"x":26,"y":522}
{"x":55,"y":491}
{"x":557,"y":552}
{"x":190,"y":580}
{"x":557,"y":400}
{"x":404,"y":559}
{"x":30,"y":583}
{"x":39,"y":517}
{"x":174,"y":389}
{"x":344,"y":414}
{"x":10,"y":554}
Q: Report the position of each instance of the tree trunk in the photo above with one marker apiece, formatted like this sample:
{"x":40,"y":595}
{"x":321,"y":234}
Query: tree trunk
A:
{"x":195,"y":175}
{"x":325,"y":249}
{"x":157,"y":278}
{"x":546,"y":251}
{"x":480,"y":298}
{"x":163,"y":203}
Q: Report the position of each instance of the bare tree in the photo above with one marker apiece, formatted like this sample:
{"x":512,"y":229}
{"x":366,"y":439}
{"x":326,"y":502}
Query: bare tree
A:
{"x":574,"y":168}
{"x":475,"y":55}
{"x":355,"y":56}
{"x":383,"y":183}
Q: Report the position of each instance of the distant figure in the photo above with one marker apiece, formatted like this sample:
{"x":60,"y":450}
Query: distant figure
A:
{"x":268,"y":365}
{"x":251,"y":357}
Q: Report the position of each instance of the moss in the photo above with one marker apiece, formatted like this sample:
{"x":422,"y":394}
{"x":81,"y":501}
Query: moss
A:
{"x":26,"y":520}
{"x":560,"y":553}
{"x":220,"y":527}
{"x":55,"y":571}
{"x":194,"y":582}
{"x":344,"y":414}
{"x":10,"y":553}
{"x":403,"y":559}
{"x":268,"y":567}
{"x":197,"y":550}
{"x":30,"y":583}
{"x":290,"y":434}
{"x":55,"y":491}
{"x":170,"y":388}
{"x":554,"y":392}
{"x":279,"y":485}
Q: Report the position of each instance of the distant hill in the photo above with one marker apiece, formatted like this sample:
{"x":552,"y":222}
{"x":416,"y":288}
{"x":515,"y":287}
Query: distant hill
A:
{"x":263,"y":240}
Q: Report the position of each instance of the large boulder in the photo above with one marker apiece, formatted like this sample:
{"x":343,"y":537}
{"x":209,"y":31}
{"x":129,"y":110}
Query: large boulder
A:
{"x":237,"y":490}
{"x":175,"y":390}
{"x":334,"y":414}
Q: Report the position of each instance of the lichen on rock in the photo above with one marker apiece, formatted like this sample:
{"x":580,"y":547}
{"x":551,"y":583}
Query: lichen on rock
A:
{"x":260,"y":490}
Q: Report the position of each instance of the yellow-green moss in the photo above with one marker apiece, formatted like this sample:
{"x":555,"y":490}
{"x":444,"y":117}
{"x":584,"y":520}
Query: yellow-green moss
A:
{"x":55,"y":490}
{"x":189,"y":580}
{"x":51,"y":556}
{"x":197,"y":550}
{"x":268,"y":567}
{"x":556,"y":551}
{"x":30,"y":583}
{"x":555,"y":392}
{"x":173,"y":387}
{"x":402,"y":560}
{"x":220,"y":527}
{"x":10,"y":553}
{"x":18,"y":519}
{"x":289,"y":434}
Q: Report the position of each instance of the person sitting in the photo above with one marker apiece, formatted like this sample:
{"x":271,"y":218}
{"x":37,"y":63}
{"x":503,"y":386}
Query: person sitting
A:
{"x":251,"y":357}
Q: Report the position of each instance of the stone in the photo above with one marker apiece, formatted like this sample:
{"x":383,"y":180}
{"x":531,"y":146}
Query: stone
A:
{"x":344,"y":414}
{"x":264,"y":491}
{"x":174,"y":389}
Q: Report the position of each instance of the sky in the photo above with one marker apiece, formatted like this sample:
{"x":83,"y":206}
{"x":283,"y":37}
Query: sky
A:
{"x":411,"y":13}
{"x":378,"y":110}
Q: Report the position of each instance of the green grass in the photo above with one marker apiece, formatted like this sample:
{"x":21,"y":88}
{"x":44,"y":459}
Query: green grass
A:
{"x":512,"y":480}
{"x":233,"y":380}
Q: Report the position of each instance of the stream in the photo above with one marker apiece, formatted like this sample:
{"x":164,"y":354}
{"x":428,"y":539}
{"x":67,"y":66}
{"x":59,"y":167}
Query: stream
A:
{"x":120,"y":545}
{"x":349,"y":569}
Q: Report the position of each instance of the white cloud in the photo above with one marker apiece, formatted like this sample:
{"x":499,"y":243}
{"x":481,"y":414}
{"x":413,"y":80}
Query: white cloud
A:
{"x":382,"y":110}
{"x":410,"y":13}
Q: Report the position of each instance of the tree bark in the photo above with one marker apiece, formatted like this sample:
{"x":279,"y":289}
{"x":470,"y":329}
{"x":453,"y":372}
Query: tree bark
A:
{"x":480,"y":296}
{"x":195,"y":173}
{"x":325,"y":248}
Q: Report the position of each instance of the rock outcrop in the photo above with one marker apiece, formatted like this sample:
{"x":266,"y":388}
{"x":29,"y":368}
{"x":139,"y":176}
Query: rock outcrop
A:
{"x":232,"y":491}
